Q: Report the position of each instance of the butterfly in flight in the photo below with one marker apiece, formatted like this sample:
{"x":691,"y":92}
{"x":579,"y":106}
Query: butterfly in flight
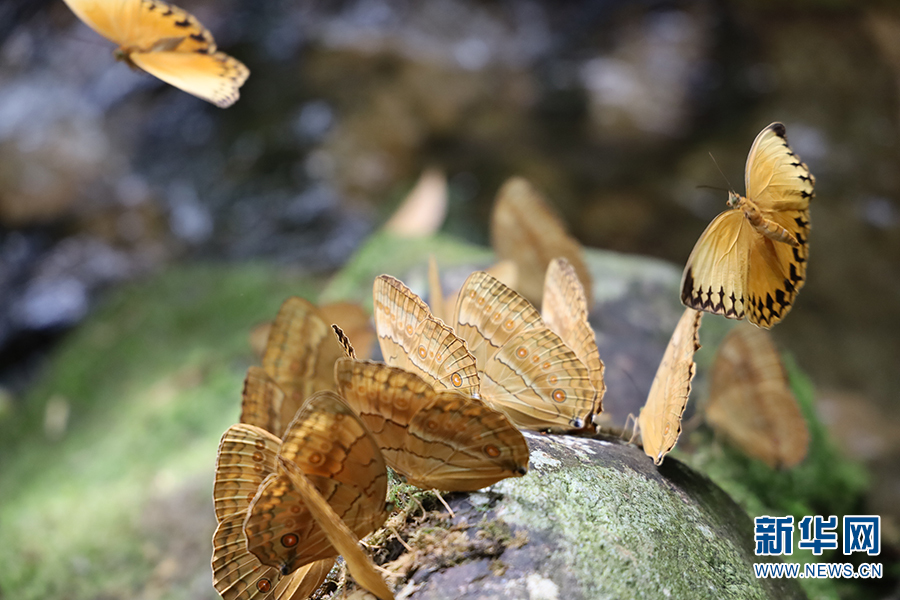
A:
{"x":167,"y":42}
{"x":751,"y":260}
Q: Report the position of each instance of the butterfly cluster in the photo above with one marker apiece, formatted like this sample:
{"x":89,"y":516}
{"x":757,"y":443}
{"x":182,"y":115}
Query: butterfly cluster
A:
{"x":303,"y":476}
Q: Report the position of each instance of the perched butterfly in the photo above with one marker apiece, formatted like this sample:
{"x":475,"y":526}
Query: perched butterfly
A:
{"x":750,"y":400}
{"x":247,"y":455}
{"x":751,"y":260}
{"x":526,"y":231}
{"x":525,"y":369}
{"x":660,"y":418}
{"x":299,"y":358}
{"x":565,"y":311}
{"x":336,"y":452}
{"x":167,"y":42}
{"x":436,"y":439}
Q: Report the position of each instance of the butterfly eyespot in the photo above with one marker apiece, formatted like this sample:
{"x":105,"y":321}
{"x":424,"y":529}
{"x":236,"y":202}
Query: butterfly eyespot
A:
{"x":431,"y":425}
{"x":552,"y":379}
{"x":492,"y":451}
{"x":496,"y":316}
{"x":559,"y":395}
{"x":423,"y":353}
{"x":289,"y":523}
{"x":545,"y":366}
{"x":264,"y":585}
{"x":409,"y":329}
{"x":509,"y":324}
{"x":401,"y":403}
{"x":488,"y":309}
{"x":521,"y":352}
{"x":289,"y":540}
{"x":260,"y":444}
{"x":439,"y":357}
{"x":258,"y":468}
{"x":480,"y":302}
{"x":258,"y":456}
{"x":535,"y":359}
{"x":577,"y":422}
{"x":456,"y":380}
{"x":295,"y":508}
{"x":315,"y":458}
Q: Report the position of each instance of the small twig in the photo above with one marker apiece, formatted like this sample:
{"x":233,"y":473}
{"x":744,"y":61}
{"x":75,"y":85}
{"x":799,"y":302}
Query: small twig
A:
{"x":444,"y":502}
{"x":400,"y":539}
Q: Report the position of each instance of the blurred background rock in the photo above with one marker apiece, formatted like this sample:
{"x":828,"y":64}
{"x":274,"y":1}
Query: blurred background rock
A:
{"x":611,"y":107}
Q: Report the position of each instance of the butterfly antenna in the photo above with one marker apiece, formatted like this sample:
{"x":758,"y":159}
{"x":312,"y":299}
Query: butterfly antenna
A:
{"x":730,"y":187}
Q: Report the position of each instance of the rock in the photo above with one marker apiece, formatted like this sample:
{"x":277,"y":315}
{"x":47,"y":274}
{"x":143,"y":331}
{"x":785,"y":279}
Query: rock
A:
{"x":593,"y":519}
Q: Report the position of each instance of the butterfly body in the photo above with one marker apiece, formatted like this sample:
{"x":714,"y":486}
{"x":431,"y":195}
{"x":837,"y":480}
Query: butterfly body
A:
{"x":751,"y":260}
{"x":167,"y":42}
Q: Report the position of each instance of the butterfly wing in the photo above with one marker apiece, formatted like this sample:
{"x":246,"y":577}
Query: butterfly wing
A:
{"x":539,"y":383}
{"x":660,"y":418}
{"x":329,"y":443}
{"x":750,"y":400}
{"x":300,"y":354}
{"x":526,"y":231}
{"x":488,"y":314}
{"x":261,"y":401}
{"x":435,"y":439}
{"x":246,"y":456}
{"x":238,"y":575}
{"x":715,"y":278}
{"x":340,"y":536}
{"x":215,"y":77}
{"x":775,"y":177}
{"x":412,"y":339}
{"x":141,"y":24}
{"x":565,"y":311}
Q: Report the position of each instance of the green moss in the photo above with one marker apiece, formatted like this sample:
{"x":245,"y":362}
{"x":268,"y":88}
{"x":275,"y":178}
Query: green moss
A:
{"x":152,"y":380}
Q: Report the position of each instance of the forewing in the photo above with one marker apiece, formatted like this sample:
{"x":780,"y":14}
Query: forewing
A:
{"x":715,"y":277}
{"x":775,"y":177}
{"x":660,"y":418}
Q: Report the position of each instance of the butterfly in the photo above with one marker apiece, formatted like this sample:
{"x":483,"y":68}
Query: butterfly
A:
{"x":526,"y":231}
{"x":564,"y":309}
{"x":525,"y":369}
{"x":750,"y":400}
{"x":167,"y":42}
{"x":751,"y":260}
{"x":435,"y":438}
{"x":339,"y":456}
{"x":660,"y":418}
{"x":247,"y":455}
{"x":299,"y":359}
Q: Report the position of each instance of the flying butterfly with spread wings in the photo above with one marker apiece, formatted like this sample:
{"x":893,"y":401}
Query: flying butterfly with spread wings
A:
{"x":751,"y":260}
{"x":167,"y":42}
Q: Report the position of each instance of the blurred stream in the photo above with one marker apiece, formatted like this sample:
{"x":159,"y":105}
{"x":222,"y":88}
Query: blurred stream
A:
{"x":611,"y":107}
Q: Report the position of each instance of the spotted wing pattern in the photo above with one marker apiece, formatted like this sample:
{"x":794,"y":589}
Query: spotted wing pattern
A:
{"x":246,"y":456}
{"x":333,"y":448}
{"x":411,"y":338}
{"x":565,"y":311}
{"x":660,"y":418}
{"x":436,"y":439}
{"x":526,"y":370}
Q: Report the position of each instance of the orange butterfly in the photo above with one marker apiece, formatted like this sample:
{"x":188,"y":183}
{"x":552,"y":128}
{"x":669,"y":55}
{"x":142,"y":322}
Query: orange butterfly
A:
{"x":751,"y":260}
{"x":167,"y":42}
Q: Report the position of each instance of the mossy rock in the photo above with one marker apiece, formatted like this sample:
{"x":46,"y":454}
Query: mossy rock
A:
{"x":594,"y":519}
